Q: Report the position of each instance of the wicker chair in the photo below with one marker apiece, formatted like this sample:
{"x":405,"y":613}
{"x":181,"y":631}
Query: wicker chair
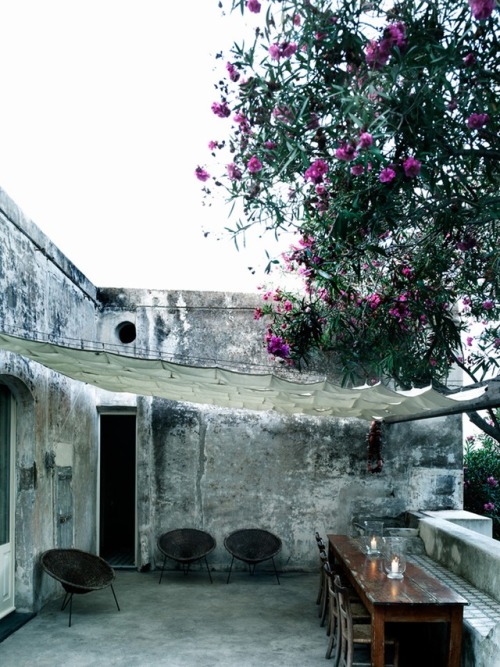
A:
{"x":186,"y":546}
{"x":78,"y":572}
{"x":252,"y":546}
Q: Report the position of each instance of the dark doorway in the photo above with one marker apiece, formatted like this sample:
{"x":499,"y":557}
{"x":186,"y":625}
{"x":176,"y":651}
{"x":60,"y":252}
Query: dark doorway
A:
{"x":117,"y":490}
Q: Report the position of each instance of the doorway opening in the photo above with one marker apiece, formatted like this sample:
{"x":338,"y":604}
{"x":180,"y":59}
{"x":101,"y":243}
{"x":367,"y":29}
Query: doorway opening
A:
{"x":117,"y":489}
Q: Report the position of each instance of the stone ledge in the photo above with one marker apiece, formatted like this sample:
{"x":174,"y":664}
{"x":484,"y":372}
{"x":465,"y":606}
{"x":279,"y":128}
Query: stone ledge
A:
{"x":476,"y":522}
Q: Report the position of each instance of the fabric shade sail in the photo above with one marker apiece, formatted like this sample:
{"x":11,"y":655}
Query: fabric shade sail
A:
{"x":213,"y":385}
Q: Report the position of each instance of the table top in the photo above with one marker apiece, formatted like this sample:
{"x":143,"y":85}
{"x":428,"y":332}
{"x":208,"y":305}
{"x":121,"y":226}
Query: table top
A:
{"x":417,"y":587}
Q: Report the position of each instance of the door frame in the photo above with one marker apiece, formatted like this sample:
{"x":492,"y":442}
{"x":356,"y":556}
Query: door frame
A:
{"x":120,"y":412}
{"x":9,"y":606}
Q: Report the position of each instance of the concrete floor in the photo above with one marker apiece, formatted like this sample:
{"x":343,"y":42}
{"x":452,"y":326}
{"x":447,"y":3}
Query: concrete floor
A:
{"x":184,"y":622}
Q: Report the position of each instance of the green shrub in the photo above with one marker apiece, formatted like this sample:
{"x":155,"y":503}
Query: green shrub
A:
{"x":482,"y":478}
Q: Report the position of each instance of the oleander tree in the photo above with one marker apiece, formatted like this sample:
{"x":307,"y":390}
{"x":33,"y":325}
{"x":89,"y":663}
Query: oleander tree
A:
{"x":370,"y":131}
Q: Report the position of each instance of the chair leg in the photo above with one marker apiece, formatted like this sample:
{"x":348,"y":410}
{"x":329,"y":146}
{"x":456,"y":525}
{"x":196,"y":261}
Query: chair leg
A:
{"x":275,"y":570}
{"x":230,"y":568}
{"x":162,"y":568}
{"x":208,"y":570}
{"x":114,"y":595}
{"x":70,"y":609}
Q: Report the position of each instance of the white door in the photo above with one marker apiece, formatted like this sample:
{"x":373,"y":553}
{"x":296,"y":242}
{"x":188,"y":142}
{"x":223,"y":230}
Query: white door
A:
{"x":7,"y":424}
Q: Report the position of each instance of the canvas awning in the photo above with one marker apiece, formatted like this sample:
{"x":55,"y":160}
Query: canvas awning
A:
{"x":213,"y":385}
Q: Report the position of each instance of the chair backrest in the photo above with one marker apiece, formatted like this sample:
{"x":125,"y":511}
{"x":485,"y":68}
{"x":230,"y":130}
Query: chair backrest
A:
{"x":186,"y":544}
{"x":332,"y":597}
{"x":252,"y":544}
{"x":345,"y":619}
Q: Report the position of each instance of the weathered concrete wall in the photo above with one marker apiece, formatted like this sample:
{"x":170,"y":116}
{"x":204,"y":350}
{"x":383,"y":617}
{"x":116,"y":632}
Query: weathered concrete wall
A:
{"x":42,"y":292}
{"x":196,"y":466}
{"x":221,"y":470}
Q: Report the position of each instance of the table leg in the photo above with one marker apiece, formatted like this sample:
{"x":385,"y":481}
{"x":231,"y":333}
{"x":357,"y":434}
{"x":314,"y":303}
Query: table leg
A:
{"x":378,"y":639}
{"x":455,"y":642}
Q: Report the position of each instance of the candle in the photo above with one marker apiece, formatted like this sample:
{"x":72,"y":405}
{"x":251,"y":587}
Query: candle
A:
{"x":395,"y":565}
{"x":373,"y":543}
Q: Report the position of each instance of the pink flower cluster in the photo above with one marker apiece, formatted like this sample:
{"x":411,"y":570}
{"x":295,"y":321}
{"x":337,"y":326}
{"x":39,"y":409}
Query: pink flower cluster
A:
{"x":201,"y":174}
{"x":277,"y":346}
{"x":221,"y":109}
{"x":254,"y":165}
{"x":411,"y":169}
{"x":283,"y":50}
{"x":477,"y":120}
{"x":482,"y":9}
{"x":234,"y":75}
{"x":233,"y":172}
{"x":347,"y":152}
{"x":254,"y":6}
{"x":316,"y":171}
{"x":377,"y":53}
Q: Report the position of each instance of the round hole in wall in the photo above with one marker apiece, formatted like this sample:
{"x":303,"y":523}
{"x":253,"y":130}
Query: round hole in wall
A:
{"x":126,"y":332}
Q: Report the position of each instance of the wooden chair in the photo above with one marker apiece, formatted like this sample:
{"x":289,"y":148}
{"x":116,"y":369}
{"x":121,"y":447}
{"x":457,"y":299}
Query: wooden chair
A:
{"x":359,"y":612}
{"x":355,"y":634}
{"x":323,"y":588}
{"x":321,"y":547}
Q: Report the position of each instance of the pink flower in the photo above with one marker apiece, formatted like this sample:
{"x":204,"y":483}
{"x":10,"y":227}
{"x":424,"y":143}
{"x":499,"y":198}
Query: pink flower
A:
{"x":489,"y":507}
{"x":470,"y":60}
{"x":470,"y":340}
{"x":254,"y":164}
{"x":277,"y":346}
{"x":411,"y":167}
{"x":288,"y":306}
{"x":316,"y":171}
{"x":477,"y":120}
{"x":283,"y":50}
{"x":357,"y":169}
{"x":297,"y":20}
{"x":375,"y":56}
{"x":234,"y":75}
{"x":221,"y":109}
{"x":387,"y":175}
{"x":482,"y":9}
{"x":257,"y":313}
{"x":270,"y":145}
{"x":253,"y":6}
{"x":212,"y":145}
{"x":346,"y":153}
{"x":395,"y":33}
{"x":201,"y":174}
{"x":365,"y":140}
{"x":233,"y":172}
{"x":491,"y":481}
{"x":488,"y":304}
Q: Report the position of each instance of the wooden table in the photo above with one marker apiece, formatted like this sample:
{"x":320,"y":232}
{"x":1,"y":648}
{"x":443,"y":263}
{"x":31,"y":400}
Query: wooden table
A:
{"x":418,"y":597}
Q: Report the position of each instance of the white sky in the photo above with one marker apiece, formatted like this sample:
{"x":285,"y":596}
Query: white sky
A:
{"x":105,"y":115}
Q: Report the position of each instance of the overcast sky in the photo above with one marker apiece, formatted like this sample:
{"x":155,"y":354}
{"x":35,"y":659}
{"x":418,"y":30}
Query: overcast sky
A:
{"x":105,"y":115}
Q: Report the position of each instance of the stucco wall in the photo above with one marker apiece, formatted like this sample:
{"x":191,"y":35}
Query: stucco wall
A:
{"x":199,"y":466}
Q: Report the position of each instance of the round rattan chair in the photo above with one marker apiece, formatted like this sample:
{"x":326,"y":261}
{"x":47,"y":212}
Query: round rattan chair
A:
{"x":186,"y":546}
{"x":78,"y":572}
{"x":252,"y":546}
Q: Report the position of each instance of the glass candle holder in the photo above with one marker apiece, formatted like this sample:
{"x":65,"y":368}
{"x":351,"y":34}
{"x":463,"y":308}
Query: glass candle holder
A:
{"x":373,"y":532}
{"x":394,"y":558}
